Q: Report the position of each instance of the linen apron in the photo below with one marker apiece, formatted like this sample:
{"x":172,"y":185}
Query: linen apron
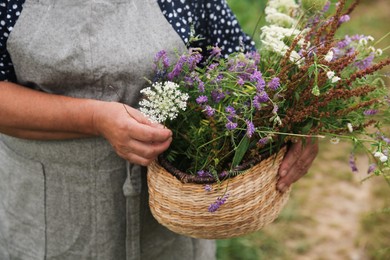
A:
{"x":76,"y":199}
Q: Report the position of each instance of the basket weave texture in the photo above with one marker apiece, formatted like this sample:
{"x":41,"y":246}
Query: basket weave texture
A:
{"x":253,"y":201}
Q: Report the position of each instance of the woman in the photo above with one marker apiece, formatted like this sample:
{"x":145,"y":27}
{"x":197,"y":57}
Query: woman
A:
{"x":72,"y":147}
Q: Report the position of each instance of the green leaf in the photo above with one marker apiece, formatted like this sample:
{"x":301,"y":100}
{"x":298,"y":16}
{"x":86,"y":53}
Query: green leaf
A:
{"x":307,"y":127}
{"x":240,"y":151}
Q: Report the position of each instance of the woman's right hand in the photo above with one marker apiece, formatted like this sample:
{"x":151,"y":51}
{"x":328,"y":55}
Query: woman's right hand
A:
{"x":130,"y":133}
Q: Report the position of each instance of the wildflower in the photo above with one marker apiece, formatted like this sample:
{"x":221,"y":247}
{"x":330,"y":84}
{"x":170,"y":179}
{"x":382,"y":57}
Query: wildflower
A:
{"x":334,"y":140}
{"x":370,"y":112}
{"x":203,"y":173}
{"x":274,"y":83}
{"x":230,"y":110}
{"x":371,"y":168}
{"x":215,"y":51}
{"x":365,"y":63}
{"x":378,"y":52}
{"x":231,"y":125}
{"x":209,"y":111}
{"x":163,"y":101}
{"x":240,"y":81}
{"x":162,"y":55}
{"x":217,"y":95}
{"x":335,"y":79}
{"x":264,"y":140}
{"x":201,"y":99}
{"x":382,"y":157}
{"x":330,"y":74}
{"x":344,"y":18}
{"x":218,"y":203}
{"x":208,"y":187}
{"x":352,"y":163}
{"x":350,"y":127}
{"x":250,"y":128}
{"x":329,"y":56}
{"x":363,"y":41}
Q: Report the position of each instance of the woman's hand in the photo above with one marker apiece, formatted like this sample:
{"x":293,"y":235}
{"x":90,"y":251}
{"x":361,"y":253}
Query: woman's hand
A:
{"x":297,"y":162}
{"x":132,"y":135}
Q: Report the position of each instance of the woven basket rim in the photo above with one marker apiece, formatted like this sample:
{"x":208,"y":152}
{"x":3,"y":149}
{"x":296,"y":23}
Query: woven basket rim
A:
{"x":190,"y":178}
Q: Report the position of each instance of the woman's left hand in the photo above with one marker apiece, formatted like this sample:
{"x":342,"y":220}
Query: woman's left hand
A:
{"x":297,"y":162}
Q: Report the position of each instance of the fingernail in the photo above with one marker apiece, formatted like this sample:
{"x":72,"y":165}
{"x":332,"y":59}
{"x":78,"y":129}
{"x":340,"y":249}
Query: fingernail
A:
{"x":283,"y":173}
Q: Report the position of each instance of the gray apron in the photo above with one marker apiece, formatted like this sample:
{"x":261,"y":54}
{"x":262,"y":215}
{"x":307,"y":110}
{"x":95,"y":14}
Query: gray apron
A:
{"x":76,"y":199}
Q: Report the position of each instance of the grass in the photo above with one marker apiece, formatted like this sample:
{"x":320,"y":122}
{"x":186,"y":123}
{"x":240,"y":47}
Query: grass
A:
{"x":291,"y":236}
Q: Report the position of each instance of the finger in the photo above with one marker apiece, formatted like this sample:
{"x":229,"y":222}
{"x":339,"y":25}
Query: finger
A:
{"x":148,"y":150}
{"x":289,"y":159}
{"x":148,"y":133}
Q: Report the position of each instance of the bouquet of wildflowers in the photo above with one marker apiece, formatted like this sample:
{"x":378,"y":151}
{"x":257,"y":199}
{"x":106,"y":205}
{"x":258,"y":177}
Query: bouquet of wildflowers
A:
{"x":303,"y":81}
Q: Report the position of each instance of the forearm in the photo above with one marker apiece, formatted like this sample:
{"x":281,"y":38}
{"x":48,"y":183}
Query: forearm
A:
{"x":32,"y":114}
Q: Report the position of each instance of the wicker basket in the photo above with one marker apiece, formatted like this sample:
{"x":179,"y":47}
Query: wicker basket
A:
{"x":183,"y":207}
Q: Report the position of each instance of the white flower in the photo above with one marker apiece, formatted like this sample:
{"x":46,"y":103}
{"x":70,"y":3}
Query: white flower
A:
{"x":332,"y":77}
{"x":335,"y":79}
{"x":163,"y":101}
{"x":334,"y":140}
{"x":350,"y":127}
{"x":363,"y":41}
{"x":383,"y":158}
{"x":329,"y":56}
{"x":330,"y":74}
{"x":378,"y":154}
{"x":370,"y":38}
{"x":378,"y":52}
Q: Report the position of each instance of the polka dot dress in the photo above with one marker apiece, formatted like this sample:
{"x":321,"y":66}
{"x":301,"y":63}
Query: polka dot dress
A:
{"x":210,"y":21}
{"x":9,"y":13}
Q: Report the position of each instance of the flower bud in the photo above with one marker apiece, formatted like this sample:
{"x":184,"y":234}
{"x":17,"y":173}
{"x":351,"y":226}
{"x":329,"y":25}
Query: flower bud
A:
{"x":313,"y":6}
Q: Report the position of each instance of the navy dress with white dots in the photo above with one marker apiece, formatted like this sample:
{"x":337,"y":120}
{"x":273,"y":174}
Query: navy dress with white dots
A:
{"x":211,"y":20}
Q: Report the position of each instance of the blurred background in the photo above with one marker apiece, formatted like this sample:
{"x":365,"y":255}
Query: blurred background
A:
{"x":332,"y":213}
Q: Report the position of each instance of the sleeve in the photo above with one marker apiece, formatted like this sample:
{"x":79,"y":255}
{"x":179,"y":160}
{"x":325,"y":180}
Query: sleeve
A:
{"x":219,"y":26}
{"x":9,"y":12}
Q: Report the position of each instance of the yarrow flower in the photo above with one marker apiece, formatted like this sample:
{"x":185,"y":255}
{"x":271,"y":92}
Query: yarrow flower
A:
{"x":163,"y":101}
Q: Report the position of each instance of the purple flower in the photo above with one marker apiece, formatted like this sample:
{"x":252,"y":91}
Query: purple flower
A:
{"x":215,"y":51}
{"x":200,"y":85}
{"x":178,"y":68}
{"x":217,"y":95}
{"x":253,"y":55}
{"x":240,"y":81}
{"x":250,"y":128}
{"x":326,"y":7}
{"x":209,"y":111}
{"x":352,"y":163}
{"x":162,"y":55}
{"x":230,"y":110}
{"x":364,"y":64}
{"x":203,"y":173}
{"x":260,"y":85}
{"x":264,"y":140}
{"x":212,"y":66}
{"x":371,"y":168}
{"x":231,"y":125}
{"x":218,"y":203}
{"x":256,"y":76}
{"x":344,"y":18}
{"x":370,"y":112}
{"x":274,"y":83}
{"x":201,"y":99}
{"x":262,"y":97}
{"x":208,"y":187}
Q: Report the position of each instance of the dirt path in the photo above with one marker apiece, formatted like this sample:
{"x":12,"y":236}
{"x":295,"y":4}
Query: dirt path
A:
{"x":336,"y":206}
